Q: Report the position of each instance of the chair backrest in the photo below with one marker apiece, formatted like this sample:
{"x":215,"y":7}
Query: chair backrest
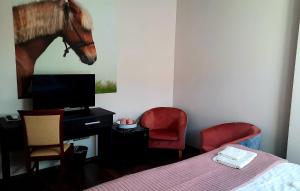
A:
{"x":163,"y":118}
{"x":42,"y":127}
{"x":218,"y":135}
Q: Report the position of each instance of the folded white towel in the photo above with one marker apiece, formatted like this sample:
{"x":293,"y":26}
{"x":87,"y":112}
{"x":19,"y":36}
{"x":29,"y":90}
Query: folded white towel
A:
{"x":239,"y":164}
{"x":233,"y":153}
{"x":296,"y":184}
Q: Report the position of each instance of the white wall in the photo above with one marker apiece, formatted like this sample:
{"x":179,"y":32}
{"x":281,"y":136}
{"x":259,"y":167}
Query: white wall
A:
{"x":234,"y":62}
{"x":294,"y":128}
{"x":145,"y":60}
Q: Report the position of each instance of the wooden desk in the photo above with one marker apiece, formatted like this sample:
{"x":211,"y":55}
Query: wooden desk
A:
{"x":76,"y":125}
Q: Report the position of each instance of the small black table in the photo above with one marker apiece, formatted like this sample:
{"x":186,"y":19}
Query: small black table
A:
{"x":129,"y":145}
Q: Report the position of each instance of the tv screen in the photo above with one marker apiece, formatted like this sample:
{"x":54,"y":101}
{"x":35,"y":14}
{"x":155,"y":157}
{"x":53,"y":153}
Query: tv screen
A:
{"x":63,"y":91}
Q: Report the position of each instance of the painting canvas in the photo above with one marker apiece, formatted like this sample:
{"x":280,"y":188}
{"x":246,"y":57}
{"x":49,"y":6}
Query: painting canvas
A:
{"x":66,"y":37}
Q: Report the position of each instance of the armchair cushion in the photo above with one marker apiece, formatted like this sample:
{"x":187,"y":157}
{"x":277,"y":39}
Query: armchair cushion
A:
{"x":163,"y":134}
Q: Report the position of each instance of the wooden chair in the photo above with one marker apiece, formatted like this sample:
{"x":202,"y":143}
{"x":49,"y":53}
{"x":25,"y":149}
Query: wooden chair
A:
{"x":43,"y":135}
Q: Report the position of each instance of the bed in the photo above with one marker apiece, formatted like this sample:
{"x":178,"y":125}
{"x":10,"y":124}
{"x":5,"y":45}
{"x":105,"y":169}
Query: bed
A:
{"x":265,"y":172}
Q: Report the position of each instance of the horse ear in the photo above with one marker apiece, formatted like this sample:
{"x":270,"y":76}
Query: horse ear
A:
{"x":62,"y":2}
{"x":72,"y":3}
{"x":73,"y":6}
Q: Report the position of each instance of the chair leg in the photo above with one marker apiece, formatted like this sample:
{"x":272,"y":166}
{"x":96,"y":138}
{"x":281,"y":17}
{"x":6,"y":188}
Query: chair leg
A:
{"x":180,"y":154}
{"x":28,"y":166}
{"x":62,"y":164}
{"x":62,"y":168}
{"x":36,"y":166}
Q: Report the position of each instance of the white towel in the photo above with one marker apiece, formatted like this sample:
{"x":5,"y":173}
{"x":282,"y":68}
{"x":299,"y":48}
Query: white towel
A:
{"x":296,"y":184}
{"x":239,"y":164}
{"x":233,"y":153}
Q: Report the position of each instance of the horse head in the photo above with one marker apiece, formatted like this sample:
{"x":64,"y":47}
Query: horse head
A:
{"x":77,"y":32}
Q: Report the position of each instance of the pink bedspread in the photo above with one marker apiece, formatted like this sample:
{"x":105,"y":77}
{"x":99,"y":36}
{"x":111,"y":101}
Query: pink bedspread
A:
{"x":199,"y":173}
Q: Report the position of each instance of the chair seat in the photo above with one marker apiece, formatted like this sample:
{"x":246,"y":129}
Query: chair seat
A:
{"x":51,"y":151}
{"x":163,"y":134}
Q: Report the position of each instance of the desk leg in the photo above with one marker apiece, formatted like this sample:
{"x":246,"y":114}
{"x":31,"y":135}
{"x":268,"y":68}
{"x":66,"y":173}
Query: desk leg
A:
{"x":5,"y":159}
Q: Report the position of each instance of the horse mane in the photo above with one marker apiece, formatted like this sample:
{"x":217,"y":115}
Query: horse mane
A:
{"x":86,"y":19}
{"x":43,"y":18}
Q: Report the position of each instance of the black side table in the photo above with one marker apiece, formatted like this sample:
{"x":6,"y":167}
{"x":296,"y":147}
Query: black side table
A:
{"x":129,"y":145}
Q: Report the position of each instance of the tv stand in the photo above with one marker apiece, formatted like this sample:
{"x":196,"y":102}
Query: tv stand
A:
{"x":97,"y":121}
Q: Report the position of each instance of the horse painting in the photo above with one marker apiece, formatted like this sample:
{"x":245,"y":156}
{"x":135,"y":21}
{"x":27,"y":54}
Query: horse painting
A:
{"x":37,"y":24}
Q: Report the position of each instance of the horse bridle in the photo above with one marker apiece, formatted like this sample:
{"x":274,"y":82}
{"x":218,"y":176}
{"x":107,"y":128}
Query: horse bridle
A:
{"x":81,"y":42}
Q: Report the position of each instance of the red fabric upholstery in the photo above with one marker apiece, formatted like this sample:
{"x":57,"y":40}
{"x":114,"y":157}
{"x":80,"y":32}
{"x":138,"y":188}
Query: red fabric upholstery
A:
{"x":216,"y":136}
{"x":163,"y":134}
{"x":166,"y":126}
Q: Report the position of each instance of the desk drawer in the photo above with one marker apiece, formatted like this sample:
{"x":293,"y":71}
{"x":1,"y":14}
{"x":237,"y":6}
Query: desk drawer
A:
{"x":90,"y":122}
{"x":95,"y":122}
{"x":86,"y":126}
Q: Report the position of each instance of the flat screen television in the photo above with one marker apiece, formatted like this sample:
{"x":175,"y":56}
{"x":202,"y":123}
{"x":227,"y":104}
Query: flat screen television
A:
{"x":63,"y":91}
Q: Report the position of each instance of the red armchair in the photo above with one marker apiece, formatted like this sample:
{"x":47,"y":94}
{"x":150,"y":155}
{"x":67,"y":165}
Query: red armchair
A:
{"x":230,"y":133}
{"x":166,"y":126}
